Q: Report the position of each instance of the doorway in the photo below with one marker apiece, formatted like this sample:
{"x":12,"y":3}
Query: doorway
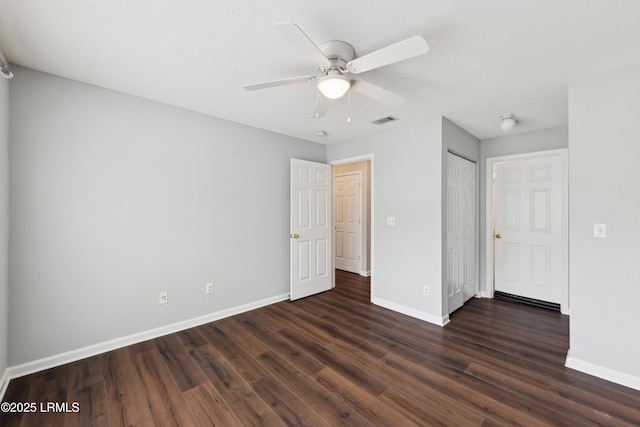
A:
{"x":348,"y":224}
{"x":527,"y":228}
{"x":353,"y":215}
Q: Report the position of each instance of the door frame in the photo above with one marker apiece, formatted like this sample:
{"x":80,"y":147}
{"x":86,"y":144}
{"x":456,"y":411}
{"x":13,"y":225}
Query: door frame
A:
{"x":356,"y":159}
{"x":489,"y":206}
{"x":360,"y":224}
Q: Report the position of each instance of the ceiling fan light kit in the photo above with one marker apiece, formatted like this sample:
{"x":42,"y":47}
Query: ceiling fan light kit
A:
{"x":334,"y":85}
{"x":336,"y":58}
{"x":507,"y":122}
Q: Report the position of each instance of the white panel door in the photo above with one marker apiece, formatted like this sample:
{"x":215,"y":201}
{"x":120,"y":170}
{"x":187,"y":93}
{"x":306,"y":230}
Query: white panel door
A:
{"x":461,"y":231}
{"x":311,"y":260}
{"x":528,"y":228}
{"x":347,"y":221}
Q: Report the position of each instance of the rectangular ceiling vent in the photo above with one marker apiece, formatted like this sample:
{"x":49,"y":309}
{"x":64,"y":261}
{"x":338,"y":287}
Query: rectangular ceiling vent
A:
{"x":384,"y":120}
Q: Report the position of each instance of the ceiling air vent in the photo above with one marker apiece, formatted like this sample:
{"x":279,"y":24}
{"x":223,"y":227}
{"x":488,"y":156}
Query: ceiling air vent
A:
{"x":384,"y":120}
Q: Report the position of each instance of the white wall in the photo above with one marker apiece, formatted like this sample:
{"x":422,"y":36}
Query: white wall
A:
{"x":510,"y":144}
{"x":115,"y":198}
{"x":460,"y":142}
{"x":406,"y":180}
{"x":604,"y":150}
{"x":4,"y":226}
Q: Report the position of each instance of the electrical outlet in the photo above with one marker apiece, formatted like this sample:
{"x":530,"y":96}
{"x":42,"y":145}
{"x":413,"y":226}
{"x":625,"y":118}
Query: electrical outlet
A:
{"x":209,"y":288}
{"x":163,"y":298}
{"x":426,"y":291}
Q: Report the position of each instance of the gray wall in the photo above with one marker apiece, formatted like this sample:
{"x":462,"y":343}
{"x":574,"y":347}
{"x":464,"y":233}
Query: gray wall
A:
{"x":603,"y":188}
{"x":115,"y":198}
{"x":406,"y":180}
{"x":4,"y":223}
{"x":529,"y":142}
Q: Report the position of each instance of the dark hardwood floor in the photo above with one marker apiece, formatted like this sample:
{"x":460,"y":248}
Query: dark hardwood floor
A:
{"x":335,"y":359}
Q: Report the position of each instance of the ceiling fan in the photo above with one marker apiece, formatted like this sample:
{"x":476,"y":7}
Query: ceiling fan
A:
{"x":336,"y":58}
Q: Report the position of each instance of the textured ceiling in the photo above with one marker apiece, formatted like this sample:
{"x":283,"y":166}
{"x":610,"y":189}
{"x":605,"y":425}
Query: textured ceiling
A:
{"x":487,"y":58}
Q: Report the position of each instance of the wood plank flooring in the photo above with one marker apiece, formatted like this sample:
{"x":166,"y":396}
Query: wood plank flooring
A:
{"x":334,"y":359}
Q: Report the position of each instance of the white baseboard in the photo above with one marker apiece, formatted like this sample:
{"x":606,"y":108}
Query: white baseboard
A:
{"x":436,"y":320}
{"x":4,"y":383}
{"x":92,"y":350}
{"x":602,"y":372}
{"x":365,"y":273}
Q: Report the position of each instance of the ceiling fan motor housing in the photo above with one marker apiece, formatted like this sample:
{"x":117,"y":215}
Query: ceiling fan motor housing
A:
{"x":339,"y":53}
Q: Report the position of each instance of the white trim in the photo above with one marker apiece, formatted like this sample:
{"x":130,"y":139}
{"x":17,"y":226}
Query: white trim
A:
{"x":92,"y":350}
{"x":356,"y":159}
{"x":563,"y":153}
{"x":4,"y":383}
{"x":602,"y":372}
{"x":365,"y":273}
{"x":440,"y":321}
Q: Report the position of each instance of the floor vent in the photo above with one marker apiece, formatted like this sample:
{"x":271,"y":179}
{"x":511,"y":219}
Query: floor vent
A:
{"x":384,"y":120}
{"x":524,"y":300}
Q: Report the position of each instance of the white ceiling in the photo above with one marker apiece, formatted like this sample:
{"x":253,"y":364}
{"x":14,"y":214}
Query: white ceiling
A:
{"x":487,"y":58}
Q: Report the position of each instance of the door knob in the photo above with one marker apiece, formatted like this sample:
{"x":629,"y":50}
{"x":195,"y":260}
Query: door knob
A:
{"x":498,"y":236}
{"x":295,"y":235}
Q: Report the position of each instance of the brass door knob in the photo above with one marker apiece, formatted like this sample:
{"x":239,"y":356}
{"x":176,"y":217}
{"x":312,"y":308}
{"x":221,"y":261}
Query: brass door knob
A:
{"x":295,"y":235}
{"x":498,"y":236}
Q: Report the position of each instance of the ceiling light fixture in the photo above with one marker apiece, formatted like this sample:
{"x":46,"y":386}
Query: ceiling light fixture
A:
{"x":4,"y":66}
{"x":334,"y":85}
{"x":507,"y":122}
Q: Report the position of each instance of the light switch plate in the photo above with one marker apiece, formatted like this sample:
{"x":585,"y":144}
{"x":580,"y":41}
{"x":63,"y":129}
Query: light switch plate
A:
{"x":600,"y":230}
{"x":391,"y":220}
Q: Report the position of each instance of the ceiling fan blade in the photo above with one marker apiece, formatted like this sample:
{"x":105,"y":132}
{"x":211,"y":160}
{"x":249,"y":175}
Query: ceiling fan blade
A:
{"x":374,"y":92}
{"x":282,"y":82}
{"x":322,"y":105}
{"x":406,"y":49}
{"x":295,"y":35}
